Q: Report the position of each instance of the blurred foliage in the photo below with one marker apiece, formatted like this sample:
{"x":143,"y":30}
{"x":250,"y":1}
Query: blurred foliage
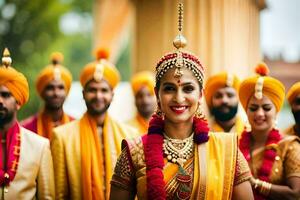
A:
{"x":30,"y":29}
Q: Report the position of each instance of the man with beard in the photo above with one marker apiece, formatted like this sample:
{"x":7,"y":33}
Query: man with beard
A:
{"x":26,"y":169}
{"x":86,"y":150}
{"x":221,"y":94}
{"x":53,"y":85}
{"x":293,"y":97}
{"x":142,"y":85}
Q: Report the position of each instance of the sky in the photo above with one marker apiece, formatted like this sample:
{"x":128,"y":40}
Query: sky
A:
{"x":280,"y":29}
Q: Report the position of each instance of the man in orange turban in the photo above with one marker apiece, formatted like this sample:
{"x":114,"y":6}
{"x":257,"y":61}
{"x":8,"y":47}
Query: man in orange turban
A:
{"x":142,"y":85}
{"x":53,"y":85}
{"x":221,"y":94}
{"x":26,"y":169}
{"x":293,"y":97}
{"x":85,"y":150}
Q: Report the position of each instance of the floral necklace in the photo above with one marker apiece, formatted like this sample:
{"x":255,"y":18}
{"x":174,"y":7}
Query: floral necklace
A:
{"x":269,"y":154}
{"x":13,"y":143}
{"x":153,"y":145}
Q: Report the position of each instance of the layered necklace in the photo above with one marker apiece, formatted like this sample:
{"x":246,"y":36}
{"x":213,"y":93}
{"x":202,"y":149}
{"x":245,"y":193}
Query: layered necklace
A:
{"x":178,"y":150}
{"x":154,"y":149}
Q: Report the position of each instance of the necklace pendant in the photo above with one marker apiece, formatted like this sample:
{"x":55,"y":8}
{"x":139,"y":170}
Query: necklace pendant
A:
{"x":180,"y":161}
{"x":184,"y":180}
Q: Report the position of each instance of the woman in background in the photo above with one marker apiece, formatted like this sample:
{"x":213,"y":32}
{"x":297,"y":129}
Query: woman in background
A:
{"x":274,"y":161}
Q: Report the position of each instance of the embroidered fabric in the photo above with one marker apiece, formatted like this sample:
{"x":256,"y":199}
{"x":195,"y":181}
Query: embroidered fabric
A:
{"x":124,"y":173}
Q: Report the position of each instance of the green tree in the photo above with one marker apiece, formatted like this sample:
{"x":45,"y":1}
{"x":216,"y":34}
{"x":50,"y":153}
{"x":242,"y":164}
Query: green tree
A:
{"x":30,"y":29}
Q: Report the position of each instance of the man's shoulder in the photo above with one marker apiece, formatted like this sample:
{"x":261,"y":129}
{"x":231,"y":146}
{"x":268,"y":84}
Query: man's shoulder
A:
{"x":127,"y":128}
{"x":32,"y":138}
{"x":67,"y":129}
{"x":29,"y":121}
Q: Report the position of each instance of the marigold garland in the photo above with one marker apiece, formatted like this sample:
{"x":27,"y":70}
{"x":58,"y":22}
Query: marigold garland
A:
{"x":153,"y":144}
{"x":269,"y":156}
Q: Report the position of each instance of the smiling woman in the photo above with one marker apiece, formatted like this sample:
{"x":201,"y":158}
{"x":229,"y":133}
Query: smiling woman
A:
{"x":273,"y":160}
{"x":166,"y":163}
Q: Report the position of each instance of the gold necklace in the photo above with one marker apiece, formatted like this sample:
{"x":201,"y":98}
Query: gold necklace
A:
{"x":177,"y":150}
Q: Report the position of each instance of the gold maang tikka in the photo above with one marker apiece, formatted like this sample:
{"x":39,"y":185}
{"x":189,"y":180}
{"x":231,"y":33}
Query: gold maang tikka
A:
{"x":179,"y":42}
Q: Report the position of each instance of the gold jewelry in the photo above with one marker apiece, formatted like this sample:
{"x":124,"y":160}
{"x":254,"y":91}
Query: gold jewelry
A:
{"x":177,"y":150}
{"x":199,"y":114}
{"x":180,"y":59}
{"x":248,"y":126}
{"x":275,"y":124}
{"x":6,"y":59}
{"x":159,"y":113}
{"x":262,"y":187}
{"x":259,"y":88}
{"x":265,"y":188}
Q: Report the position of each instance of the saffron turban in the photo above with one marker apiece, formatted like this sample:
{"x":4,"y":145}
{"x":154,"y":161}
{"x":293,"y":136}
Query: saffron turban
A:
{"x":52,"y":72}
{"x":143,"y":79}
{"x":218,"y":81}
{"x":262,"y":85}
{"x":293,"y":92}
{"x":100,"y":69}
{"x":16,"y":83}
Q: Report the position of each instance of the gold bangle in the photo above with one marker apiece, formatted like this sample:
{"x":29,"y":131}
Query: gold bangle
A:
{"x":256,"y":183}
{"x":265,"y":188}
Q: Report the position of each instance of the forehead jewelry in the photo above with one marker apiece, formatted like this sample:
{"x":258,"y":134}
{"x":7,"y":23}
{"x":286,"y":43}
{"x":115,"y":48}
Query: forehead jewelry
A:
{"x":179,"y":42}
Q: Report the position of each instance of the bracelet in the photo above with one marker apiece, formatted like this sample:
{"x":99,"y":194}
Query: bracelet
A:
{"x":265,"y":188}
{"x":262,"y":187}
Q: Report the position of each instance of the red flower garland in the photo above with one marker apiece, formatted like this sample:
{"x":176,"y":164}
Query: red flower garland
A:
{"x":269,"y":155}
{"x":13,"y":143}
{"x":153,"y":145}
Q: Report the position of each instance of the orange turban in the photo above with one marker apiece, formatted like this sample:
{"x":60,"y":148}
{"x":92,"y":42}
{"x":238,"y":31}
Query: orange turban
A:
{"x":100,"y":69}
{"x":271,"y":87}
{"x":219,"y":81}
{"x":50,"y":72}
{"x":13,"y":80}
{"x":293,"y":92}
{"x":143,"y":79}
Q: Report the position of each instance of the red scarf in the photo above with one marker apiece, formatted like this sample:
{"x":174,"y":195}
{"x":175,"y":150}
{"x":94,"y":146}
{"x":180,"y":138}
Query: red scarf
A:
{"x":269,"y":155}
{"x":13,"y":144}
{"x":153,"y":145}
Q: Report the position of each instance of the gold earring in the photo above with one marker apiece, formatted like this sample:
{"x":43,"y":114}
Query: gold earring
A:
{"x":199,"y":114}
{"x":275,"y":124}
{"x":248,"y":126}
{"x":159,"y":113}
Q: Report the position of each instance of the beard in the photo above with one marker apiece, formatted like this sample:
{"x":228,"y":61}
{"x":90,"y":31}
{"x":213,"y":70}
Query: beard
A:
{"x":5,"y":117}
{"x":224,"y":116}
{"x":93,"y":111}
{"x":54,"y":105}
{"x":146,"y":111}
{"x":297,"y":116}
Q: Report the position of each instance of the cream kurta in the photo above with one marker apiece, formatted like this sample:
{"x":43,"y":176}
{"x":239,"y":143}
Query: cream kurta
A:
{"x":65,"y":146}
{"x":34,"y":178}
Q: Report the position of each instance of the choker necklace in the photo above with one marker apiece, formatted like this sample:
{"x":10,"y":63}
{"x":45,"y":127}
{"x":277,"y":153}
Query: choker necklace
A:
{"x":177,"y":150}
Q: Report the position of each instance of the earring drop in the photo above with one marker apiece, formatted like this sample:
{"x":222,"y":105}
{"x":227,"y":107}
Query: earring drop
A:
{"x":248,"y":126}
{"x":275,"y":123}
